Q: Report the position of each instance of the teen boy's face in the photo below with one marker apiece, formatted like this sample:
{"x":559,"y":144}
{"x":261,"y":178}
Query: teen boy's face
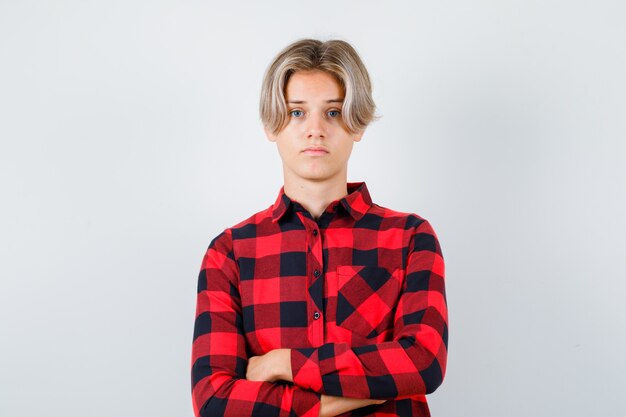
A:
{"x":315,"y":145}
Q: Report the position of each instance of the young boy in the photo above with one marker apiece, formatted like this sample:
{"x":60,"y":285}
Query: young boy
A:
{"x":324,"y":302}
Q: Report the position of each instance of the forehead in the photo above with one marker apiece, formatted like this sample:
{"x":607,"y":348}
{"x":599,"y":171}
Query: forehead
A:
{"x":316,"y":83}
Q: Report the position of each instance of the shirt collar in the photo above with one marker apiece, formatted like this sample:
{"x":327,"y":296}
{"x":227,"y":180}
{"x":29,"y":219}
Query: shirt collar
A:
{"x":356,"y":203}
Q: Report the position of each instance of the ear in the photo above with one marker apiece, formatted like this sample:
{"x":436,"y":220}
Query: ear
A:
{"x":270,"y":136}
{"x":357,"y":136}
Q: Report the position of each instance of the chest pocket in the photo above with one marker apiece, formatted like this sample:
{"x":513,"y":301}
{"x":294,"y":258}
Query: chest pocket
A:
{"x":367,"y":298}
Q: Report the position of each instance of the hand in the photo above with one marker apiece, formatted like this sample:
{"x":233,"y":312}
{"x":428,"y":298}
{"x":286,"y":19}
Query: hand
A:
{"x":332,"y":406}
{"x":273,"y":366}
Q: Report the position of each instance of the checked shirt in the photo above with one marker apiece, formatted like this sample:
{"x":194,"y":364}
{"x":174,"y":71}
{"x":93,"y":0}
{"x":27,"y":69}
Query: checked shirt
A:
{"x":357,"y":294}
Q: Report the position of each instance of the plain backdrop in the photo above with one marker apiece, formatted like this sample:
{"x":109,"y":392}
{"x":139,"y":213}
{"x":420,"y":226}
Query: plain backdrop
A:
{"x":130,"y":138}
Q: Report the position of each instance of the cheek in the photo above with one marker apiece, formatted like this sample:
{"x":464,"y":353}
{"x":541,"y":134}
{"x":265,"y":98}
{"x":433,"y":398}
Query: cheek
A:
{"x":347,"y":148}
{"x":287,"y":149}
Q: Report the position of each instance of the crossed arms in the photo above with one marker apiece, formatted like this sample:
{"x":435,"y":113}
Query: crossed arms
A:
{"x":332,"y":378}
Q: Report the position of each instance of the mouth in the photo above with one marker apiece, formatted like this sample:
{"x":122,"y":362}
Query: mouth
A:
{"x":315,"y":151}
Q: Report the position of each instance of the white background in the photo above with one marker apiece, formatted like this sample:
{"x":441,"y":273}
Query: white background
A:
{"x":130,"y":138}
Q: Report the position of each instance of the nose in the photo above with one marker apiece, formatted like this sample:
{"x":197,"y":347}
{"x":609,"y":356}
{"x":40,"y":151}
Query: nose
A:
{"x":316,"y":126}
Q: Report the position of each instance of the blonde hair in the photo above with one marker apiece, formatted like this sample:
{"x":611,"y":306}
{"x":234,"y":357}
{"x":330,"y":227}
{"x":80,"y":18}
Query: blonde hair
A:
{"x":336,"y":57}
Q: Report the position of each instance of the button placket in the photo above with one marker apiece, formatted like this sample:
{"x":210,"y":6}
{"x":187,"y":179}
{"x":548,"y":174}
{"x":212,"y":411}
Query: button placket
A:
{"x":315,"y":261}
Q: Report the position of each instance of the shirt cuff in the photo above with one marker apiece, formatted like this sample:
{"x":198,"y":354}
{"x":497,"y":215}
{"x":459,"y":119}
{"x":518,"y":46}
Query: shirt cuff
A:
{"x":306,"y":403}
{"x":305,"y":368}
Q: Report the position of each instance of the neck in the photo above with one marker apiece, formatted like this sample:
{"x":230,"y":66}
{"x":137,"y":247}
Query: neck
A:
{"x":315,"y":196}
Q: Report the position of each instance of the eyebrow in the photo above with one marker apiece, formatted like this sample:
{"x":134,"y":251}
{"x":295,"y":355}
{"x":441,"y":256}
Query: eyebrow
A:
{"x":334,"y":100}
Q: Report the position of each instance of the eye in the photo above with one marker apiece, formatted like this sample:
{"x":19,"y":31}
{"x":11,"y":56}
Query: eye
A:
{"x":334,"y":113}
{"x":295,"y":113}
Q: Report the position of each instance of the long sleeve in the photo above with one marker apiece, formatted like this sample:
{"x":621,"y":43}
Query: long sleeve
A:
{"x":219,"y":360}
{"x":414,"y":362}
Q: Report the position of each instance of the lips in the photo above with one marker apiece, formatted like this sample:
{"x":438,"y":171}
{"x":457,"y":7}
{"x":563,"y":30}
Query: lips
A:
{"x":315,"y":150}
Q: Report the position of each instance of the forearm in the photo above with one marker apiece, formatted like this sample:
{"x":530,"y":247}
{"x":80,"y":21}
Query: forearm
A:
{"x":276,"y":365}
{"x":394,"y":369}
{"x":226,"y":395}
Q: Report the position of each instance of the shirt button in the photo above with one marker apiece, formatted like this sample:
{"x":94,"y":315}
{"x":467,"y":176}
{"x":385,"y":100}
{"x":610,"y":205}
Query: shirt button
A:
{"x":316,"y":272}
{"x":316,"y":315}
{"x":314,"y":232}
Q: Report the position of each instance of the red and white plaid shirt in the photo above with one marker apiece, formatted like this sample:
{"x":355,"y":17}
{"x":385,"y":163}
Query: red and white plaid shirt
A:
{"x":358,"y":296}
